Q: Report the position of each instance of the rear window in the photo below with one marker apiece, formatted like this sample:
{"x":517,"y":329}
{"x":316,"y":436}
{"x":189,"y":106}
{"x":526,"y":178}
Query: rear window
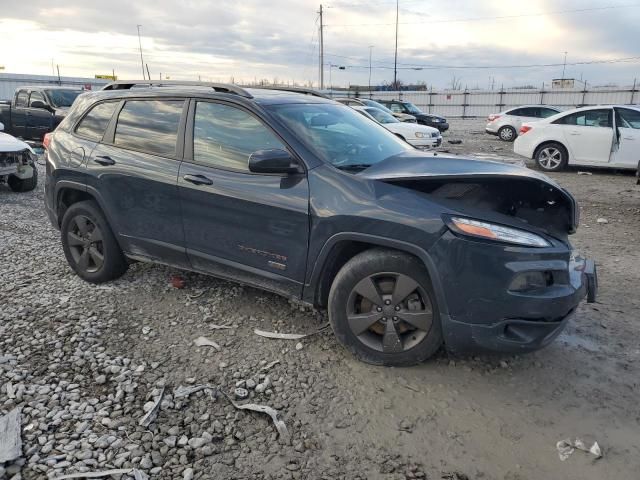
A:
{"x":22,"y":99}
{"x":94,"y":123}
{"x":150,"y":126}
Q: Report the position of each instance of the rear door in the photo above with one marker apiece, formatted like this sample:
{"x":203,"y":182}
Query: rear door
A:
{"x":628,"y":135}
{"x":39,"y":120}
{"x":588,"y":135}
{"x":237,"y":224}
{"x":523,"y":115}
{"x":134,"y":172}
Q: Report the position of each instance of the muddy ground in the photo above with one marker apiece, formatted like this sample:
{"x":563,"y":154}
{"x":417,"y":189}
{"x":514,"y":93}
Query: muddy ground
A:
{"x":82,"y":360}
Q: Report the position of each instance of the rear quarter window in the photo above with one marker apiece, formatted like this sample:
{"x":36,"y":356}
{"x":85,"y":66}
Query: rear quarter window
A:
{"x":94,"y":123}
{"x":149,"y":126}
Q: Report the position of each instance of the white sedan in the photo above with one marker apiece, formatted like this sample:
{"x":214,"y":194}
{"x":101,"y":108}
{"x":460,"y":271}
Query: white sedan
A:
{"x":602,"y":136}
{"x":507,"y":123}
{"x":420,"y":136}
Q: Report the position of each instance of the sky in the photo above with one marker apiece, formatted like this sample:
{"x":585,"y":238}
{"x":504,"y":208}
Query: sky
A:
{"x":469,"y":43}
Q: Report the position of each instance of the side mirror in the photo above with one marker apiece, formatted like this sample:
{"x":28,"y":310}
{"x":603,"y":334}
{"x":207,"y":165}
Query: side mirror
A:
{"x":275,"y":161}
{"x":38,"y":104}
{"x":1,"y":127}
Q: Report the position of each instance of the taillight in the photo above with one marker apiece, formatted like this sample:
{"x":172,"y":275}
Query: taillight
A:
{"x":493,"y":117}
{"x":46,"y":140}
{"x":524,"y":129}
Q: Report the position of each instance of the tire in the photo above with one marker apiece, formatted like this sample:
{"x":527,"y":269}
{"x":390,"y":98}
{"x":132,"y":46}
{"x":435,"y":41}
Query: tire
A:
{"x":23,"y":185}
{"x":507,"y":133}
{"x":389,"y":340}
{"x":551,"y":157}
{"x":96,"y":258}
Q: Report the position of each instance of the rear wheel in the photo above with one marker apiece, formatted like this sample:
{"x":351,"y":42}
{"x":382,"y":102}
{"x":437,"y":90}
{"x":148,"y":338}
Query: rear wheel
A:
{"x":551,"y":157}
{"x":507,"y":133}
{"x":23,"y":184}
{"x":89,"y":244}
{"x":382,"y":308}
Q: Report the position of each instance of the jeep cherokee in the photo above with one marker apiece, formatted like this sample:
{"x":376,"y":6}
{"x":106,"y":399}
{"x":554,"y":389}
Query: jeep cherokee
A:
{"x":294,"y":193}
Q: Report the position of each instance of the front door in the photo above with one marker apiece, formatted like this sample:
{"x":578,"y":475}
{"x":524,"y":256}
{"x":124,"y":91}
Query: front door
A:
{"x":589,"y":135}
{"x":39,"y":120}
{"x":135,"y":171}
{"x":237,"y":224}
{"x":628,"y":133}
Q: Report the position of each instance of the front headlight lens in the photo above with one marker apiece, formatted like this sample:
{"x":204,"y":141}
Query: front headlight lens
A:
{"x":490,"y":231}
{"x":420,"y":135}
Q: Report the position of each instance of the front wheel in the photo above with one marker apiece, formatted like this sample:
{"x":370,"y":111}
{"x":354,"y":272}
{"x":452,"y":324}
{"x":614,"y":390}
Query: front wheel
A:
{"x":89,"y":244}
{"x":551,"y":157}
{"x":382,"y":308}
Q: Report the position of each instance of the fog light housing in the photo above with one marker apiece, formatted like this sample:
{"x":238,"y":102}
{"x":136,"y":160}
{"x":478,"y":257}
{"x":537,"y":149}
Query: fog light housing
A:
{"x":529,"y":281}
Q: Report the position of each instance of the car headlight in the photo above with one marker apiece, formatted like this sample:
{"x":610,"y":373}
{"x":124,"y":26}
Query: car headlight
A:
{"x":499,"y":233}
{"x":436,"y":120}
{"x":420,"y":135}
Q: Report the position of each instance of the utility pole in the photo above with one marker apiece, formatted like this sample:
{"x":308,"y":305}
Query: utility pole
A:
{"x":563,"y":67}
{"x":370,"y":50}
{"x":140,"y":45}
{"x":148,"y":74}
{"x":321,"y":60}
{"x":59,"y":80}
{"x":395,"y":60}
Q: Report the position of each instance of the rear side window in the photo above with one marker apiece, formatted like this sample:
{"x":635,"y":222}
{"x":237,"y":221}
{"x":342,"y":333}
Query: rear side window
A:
{"x":525,"y":112}
{"x":588,"y":118}
{"x":94,"y":123}
{"x":547,"y":112}
{"x":22,"y":99}
{"x":150,"y":126}
{"x":627,"y":118}
{"x":225,"y":137}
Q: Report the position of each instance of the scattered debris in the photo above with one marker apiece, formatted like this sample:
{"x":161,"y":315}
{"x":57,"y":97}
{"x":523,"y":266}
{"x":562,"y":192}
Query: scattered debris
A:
{"x":285,"y":438}
{"x":287,"y":336}
{"x":177,"y":282}
{"x":269,"y":365}
{"x":455,"y":142}
{"x":299,"y":346}
{"x":567,"y":446}
{"x":585,"y":173}
{"x":205,"y":342}
{"x":153,"y":411}
{"x":137,"y":474}
{"x":241,"y":393}
{"x":181,"y":391}
{"x":220,"y":327}
{"x":146,"y":330}
{"x":197,"y":295}
{"x":10,"y":439}
{"x":602,"y":220}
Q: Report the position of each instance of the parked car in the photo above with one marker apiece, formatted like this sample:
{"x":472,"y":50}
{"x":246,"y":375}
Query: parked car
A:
{"x":17,"y":163}
{"x":400,"y":107}
{"x":295,"y":194}
{"x":506,"y":124}
{"x":35,"y":111}
{"x":420,"y":136}
{"x":363,"y":102}
{"x":602,"y":136}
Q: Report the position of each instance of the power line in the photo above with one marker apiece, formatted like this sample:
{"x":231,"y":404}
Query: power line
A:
{"x":502,"y":17}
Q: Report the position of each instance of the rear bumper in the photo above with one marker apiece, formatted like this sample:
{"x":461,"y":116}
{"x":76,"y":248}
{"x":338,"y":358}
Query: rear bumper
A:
{"x":491,"y":131}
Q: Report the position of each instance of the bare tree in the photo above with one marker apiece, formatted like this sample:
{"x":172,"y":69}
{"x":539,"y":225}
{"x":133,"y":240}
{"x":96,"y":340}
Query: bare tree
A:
{"x":456,"y":82}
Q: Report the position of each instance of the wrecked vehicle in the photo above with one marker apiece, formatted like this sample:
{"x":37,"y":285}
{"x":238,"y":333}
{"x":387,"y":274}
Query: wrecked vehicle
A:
{"x":293,"y":193}
{"x":17,"y":163}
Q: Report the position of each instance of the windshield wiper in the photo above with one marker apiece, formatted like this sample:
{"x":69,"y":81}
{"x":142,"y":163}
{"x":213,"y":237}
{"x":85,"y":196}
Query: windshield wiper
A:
{"x":354,"y":166}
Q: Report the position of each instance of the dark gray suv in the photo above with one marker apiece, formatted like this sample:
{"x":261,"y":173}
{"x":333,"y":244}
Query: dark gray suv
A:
{"x":294,"y":193}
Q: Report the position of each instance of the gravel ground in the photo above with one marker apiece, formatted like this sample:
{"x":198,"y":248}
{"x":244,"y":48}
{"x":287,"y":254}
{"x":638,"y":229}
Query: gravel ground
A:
{"x":84,"y":363}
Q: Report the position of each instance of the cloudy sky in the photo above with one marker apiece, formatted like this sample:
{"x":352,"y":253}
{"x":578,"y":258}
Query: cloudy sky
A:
{"x":278,"y":39}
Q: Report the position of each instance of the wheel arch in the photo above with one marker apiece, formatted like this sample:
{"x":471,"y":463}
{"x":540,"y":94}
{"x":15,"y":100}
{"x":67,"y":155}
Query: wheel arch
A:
{"x":67,"y":193}
{"x":543,"y":144}
{"x":340,"y":248}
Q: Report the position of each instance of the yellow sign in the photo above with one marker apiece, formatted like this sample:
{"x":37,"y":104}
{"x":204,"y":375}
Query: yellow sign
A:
{"x":107,"y":77}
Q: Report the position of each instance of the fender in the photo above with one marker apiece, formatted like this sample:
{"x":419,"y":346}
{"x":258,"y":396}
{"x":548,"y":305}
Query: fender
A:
{"x":87,"y":189}
{"x":310,"y":291}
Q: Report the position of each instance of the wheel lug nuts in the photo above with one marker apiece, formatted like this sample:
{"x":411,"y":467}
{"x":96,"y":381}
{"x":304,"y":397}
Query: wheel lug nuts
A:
{"x":379,"y":309}
{"x":397,"y":308}
{"x":387,"y":302}
{"x":395,"y":319}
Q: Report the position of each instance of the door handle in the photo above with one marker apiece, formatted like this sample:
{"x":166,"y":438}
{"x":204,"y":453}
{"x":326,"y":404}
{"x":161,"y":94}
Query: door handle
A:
{"x":104,"y":160}
{"x":198,"y":179}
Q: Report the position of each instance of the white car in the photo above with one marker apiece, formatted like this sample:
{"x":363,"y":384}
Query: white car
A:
{"x":420,"y":136}
{"x":506,"y":125}
{"x":602,"y":136}
{"x":17,"y":163}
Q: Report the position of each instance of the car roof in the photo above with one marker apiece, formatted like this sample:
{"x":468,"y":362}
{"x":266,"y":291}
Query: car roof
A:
{"x":48,"y":87}
{"x":533,"y":106}
{"x":596,"y":107}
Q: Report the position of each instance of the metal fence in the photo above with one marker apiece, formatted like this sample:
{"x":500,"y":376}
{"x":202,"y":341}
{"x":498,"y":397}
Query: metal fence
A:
{"x":480,"y":103}
{"x":10,"y":81}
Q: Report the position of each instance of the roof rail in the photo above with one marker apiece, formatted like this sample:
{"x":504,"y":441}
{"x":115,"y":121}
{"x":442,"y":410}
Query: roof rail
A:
{"x":218,"y":87}
{"x":304,"y":91}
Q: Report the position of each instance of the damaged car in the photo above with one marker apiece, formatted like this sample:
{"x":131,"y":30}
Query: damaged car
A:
{"x":17,"y":163}
{"x":293,"y":193}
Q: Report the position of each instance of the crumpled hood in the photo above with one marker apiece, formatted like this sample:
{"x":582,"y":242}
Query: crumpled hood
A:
{"x":12,"y":144}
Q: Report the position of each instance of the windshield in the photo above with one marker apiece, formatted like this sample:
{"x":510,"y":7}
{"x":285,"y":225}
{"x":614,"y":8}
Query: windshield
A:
{"x":382,"y":117}
{"x":62,"y":98}
{"x":340,"y":135}
{"x":379,"y":106}
{"x":412,"y":108}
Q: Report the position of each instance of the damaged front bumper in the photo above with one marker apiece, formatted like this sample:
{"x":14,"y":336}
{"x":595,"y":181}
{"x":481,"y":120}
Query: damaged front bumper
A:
{"x":19,"y":164}
{"x":490,"y":308}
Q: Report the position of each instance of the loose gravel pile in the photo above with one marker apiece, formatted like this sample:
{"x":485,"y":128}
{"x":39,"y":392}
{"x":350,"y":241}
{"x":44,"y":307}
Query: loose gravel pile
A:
{"x":85,"y":363}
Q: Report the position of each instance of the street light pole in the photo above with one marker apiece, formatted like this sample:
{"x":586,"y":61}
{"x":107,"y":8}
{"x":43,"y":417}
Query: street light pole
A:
{"x":395,"y":60}
{"x":140,"y":45}
{"x":563,"y":67}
